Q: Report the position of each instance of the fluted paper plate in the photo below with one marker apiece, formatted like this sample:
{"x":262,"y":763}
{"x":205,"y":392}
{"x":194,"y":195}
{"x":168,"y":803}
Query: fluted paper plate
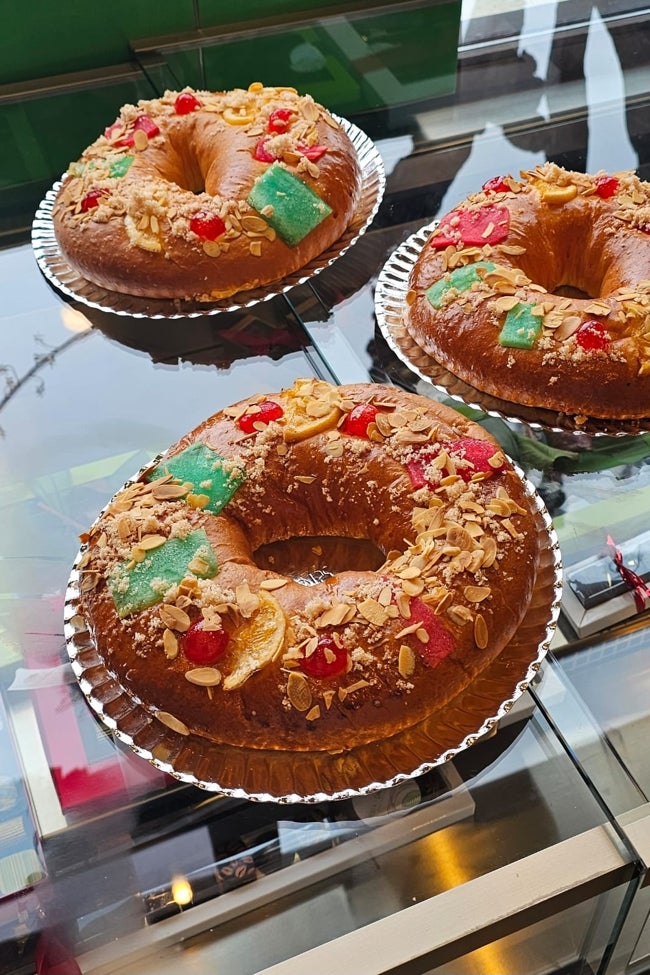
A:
{"x":390,"y":302}
{"x":57,"y":270}
{"x":309,"y":777}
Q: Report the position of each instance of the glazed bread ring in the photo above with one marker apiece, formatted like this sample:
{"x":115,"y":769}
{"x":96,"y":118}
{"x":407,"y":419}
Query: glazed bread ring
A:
{"x":537,"y":291}
{"x":203,"y":194}
{"x":185,"y":589}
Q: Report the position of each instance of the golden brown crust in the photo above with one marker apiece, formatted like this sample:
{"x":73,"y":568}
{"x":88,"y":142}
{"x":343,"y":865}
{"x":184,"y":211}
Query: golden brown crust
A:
{"x":560,"y":234}
{"x":132,"y":233}
{"x":459,"y":570}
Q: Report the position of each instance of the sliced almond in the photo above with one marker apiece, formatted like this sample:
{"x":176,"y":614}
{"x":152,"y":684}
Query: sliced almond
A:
{"x":298,"y":692}
{"x":204,"y":676}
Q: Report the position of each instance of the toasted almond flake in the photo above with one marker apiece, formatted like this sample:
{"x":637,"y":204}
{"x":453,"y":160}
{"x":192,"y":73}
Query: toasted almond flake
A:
{"x":372,"y":611}
{"x":328,"y":697}
{"x":385,"y":596}
{"x":174,"y":618}
{"x":199,"y":566}
{"x":306,"y":478}
{"x":270,"y":584}
{"x":410,"y":572}
{"x":247,"y":601}
{"x":489,"y":547}
{"x":298,"y":692}
{"x":314,"y":713}
{"x":138,"y":554}
{"x":476,"y":594}
{"x":357,"y":686}
{"x":204,"y":676}
{"x":140,"y":140}
{"x":172,"y":722}
{"x":255,"y":248}
{"x":170,"y":645}
{"x":480,"y":632}
{"x":412,"y":587}
{"x":168,"y":492}
{"x":88,"y":581}
{"x":212,"y":248}
{"x":406,"y":661}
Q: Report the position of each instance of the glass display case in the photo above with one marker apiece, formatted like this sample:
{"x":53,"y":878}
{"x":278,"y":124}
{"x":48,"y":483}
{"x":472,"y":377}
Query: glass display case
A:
{"x":526,"y":850}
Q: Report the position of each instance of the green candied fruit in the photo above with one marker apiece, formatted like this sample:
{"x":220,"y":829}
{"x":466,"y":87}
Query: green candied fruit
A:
{"x":119,"y":167}
{"x":145,"y":584}
{"x":521,"y":328}
{"x":296,"y":209}
{"x":460,"y":280}
{"x":208,"y":472}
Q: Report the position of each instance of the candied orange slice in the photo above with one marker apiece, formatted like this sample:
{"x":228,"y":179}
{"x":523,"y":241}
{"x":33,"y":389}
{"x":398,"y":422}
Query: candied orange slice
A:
{"x":308,"y":409}
{"x":256,"y":641}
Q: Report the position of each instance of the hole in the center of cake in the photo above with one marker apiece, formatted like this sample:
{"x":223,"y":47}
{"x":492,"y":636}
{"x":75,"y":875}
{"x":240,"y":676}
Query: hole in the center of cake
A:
{"x":570,"y":291}
{"x":311,"y":559}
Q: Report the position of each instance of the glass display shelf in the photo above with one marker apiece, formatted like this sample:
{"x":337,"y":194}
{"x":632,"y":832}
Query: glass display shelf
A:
{"x":528,"y":850}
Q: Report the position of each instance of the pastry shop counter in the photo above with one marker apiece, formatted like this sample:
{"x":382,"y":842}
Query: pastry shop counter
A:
{"x":527,"y":849}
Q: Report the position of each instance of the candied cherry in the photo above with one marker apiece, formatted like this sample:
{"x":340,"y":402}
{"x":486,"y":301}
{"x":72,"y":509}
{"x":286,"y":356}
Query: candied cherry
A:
{"x":186,"y":103}
{"x":279,"y":120}
{"x":207,"y":226}
{"x":440,"y":642}
{"x":261,"y":153}
{"x":606,"y":186}
{"x":91,"y":200}
{"x":145,"y":124}
{"x":359,"y":419}
{"x":593,"y":336}
{"x":204,"y":647}
{"x":268,"y":410}
{"x":496,"y":185}
{"x":327,"y":660}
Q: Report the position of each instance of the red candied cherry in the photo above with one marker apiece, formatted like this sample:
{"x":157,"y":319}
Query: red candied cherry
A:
{"x":261,"y":153}
{"x":268,"y":410}
{"x":91,"y":200}
{"x":327,"y":660}
{"x":312,"y":153}
{"x":112,"y":130}
{"x":496,"y":185}
{"x":279,"y":120}
{"x":186,"y":103}
{"x":204,"y":647}
{"x":439,"y":641}
{"x":606,"y":186}
{"x":142,"y":124}
{"x":207,"y":226}
{"x":593,"y":336}
{"x":359,"y":419}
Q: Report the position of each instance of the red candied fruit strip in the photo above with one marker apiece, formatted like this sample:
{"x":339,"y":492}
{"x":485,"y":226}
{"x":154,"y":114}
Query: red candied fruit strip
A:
{"x":186,"y":103}
{"x":326,"y":661}
{"x":142,"y":124}
{"x":313,"y":153}
{"x":496,"y":185}
{"x":204,"y":647}
{"x":440,"y":642}
{"x":487,"y":225}
{"x":606,"y":186}
{"x":593,"y":336}
{"x":91,"y":200}
{"x":359,"y":419}
{"x":207,"y":226}
{"x":261,"y":152}
{"x":268,"y":410}
{"x":476,"y":452}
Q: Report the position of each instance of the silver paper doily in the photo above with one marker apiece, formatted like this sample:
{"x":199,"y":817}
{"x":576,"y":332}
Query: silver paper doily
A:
{"x":310,"y":777}
{"x":390,"y":301}
{"x":57,"y":270}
